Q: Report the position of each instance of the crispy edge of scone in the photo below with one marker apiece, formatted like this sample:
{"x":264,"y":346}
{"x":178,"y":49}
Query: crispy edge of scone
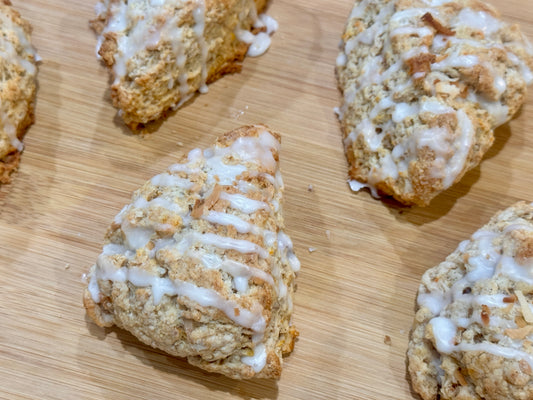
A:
{"x":10,"y":162}
{"x":132,"y":105}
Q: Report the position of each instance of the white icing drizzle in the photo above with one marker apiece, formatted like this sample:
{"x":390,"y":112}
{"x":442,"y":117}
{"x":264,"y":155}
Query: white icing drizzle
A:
{"x":436,"y":3}
{"x":359,"y":10}
{"x":247,"y":150}
{"x":258,"y":360}
{"x":167,"y":179}
{"x":221,"y":218}
{"x":341,"y":62}
{"x":403,"y":111}
{"x":357,"y":186}
{"x":266,"y":21}
{"x":243,"y":203}
{"x":285,"y":247}
{"x":462,"y":146}
{"x":10,"y":130}
{"x":136,"y":237}
{"x":222,"y":242}
{"x":444,"y":331}
{"x":181,"y":60}
{"x":245,"y":36}
{"x":252,"y":319}
{"x":242,"y":273}
{"x":478,"y":20}
{"x":456,"y":61}
{"x":260,"y":42}
{"x":409,"y":30}
{"x":487,"y":264}
{"x":240,"y":156}
{"x":199,"y":27}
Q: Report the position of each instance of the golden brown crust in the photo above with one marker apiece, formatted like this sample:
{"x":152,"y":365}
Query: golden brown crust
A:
{"x":17,"y":89}
{"x":149,"y":85}
{"x":8,"y":165}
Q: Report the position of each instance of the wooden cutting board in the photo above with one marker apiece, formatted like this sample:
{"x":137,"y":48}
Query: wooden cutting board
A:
{"x":361,"y":258}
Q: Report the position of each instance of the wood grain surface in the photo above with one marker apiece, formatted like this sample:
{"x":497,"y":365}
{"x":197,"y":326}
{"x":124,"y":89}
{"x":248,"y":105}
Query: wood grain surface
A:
{"x":357,"y":288}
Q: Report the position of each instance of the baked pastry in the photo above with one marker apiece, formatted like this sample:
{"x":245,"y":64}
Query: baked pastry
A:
{"x":161,"y":52}
{"x":472,"y":336}
{"x":198,"y":264}
{"x":424,"y":84}
{"x":17,"y":87}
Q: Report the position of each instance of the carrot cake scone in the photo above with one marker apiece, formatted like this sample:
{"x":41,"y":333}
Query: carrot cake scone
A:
{"x":198,"y":263}
{"x":425,"y":83}
{"x":472,"y":337}
{"x":162,"y":52}
{"x":17,"y":87}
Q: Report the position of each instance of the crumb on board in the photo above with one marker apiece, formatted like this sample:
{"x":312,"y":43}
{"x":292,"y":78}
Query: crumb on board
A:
{"x":312,"y":249}
{"x":328,"y":234}
{"x":67,"y":266}
{"x":387,"y":340}
{"x":310,"y":188}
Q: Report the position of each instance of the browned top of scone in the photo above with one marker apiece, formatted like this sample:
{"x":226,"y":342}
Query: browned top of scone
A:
{"x":202,"y":247}
{"x":17,"y":87}
{"x":424,"y":84}
{"x":473,"y":332}
{"x":160,"y":55}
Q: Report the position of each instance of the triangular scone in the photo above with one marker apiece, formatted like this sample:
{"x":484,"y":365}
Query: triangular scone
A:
{"x":161,"y":52}
{"x":198,"y":264}
{"x":472,"y":336}
{"x":17,"y":86}
{"x":424,"y":84}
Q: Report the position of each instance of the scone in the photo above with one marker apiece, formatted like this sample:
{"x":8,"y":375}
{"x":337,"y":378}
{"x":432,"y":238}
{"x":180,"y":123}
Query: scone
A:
{"x":424,"y":84}
{"x":17,"y":87}
{"x":161,"y":52}
{"x":198,"y":265}
{"x":473,"y":331}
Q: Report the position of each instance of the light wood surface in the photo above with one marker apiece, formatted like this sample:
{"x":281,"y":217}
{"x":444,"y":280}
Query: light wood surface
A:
{"x":81,"y":165}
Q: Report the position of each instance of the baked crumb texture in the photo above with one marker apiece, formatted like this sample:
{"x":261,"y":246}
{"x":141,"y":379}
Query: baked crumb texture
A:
{"x":472,"y":336}
{"x":198,"y":264}
{"x":17,"y":87}
{"x":160,"y":53}
{"x":424,"y":84}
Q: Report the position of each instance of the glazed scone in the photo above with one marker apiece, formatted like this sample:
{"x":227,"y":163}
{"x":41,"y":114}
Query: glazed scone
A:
{"x":472,"y":336}
{"x":198,"y":265}
{"x":162,"y":52}
{"x":17,"y":87}
{"x":425,"y":83}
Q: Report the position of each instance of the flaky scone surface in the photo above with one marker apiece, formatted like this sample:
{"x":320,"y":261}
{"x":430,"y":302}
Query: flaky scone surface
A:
{"x":17,"y":87}
{"x":198,"y":264}
{"x":161,"y":53}
{"x":472,"y":336}
{"x":424,"y":84}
